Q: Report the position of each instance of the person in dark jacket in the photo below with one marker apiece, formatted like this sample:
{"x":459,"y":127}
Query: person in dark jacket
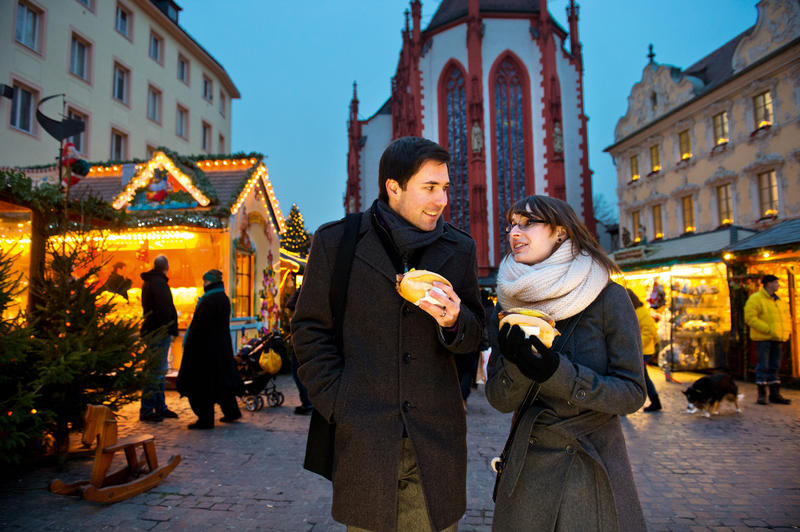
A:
{"x":400,"y":457}
{"x":566,"y":466}
{"x":208,"y":372}
{"x":159,"y":311}
{"x":117,"y":282}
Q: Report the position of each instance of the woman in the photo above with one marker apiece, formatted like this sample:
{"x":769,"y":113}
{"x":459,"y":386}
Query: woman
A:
{"x":565,"y":466}
{"x":647,"y":326}
{"x":208,"y":374}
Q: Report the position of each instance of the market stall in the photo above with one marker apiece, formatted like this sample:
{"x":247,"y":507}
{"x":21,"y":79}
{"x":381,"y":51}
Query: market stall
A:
{"x":201,"y":214}
{"x":685,"y":283}
{"x":774,"y":251}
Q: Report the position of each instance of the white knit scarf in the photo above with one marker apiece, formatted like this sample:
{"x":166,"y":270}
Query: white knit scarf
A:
{"x":561,"y":285}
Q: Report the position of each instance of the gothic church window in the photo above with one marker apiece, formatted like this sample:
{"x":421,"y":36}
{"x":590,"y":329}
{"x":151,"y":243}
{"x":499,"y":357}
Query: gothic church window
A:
{"x":455,"y":109}
{"x":509,"y":142}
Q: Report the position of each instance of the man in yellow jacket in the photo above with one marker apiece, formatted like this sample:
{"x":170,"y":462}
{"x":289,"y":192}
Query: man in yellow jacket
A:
{"x":769,"y":322}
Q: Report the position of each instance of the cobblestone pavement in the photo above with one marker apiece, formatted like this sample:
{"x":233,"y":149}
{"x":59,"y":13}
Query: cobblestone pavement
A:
{"x":731,"y":472}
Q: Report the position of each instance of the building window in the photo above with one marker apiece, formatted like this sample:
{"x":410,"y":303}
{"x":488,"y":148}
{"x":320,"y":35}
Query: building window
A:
{"x":79,"y":57}
{"x":721,"y":128}
{"x":636,"y":225}
{"x":768,"y":194}
{"x":653,"y":101}
{"x":221,"y":145}
{"x":724,"y":207}
{"x":242,"y":296}
{"x":119,"y":145}
{"x":156,"y":49}
{"x":221,"y":103}
{"x":150,"y":151}
{"x":634,"y":168}
{"x":687,"y":205}
{"x":182,"y":123}
{"x":183,"y":69}
{"x":685,"y":143}
{"x":87,"y":3}
{"x":22,"y":103}
{"x":655,"y":159}
{"x":208,"y":89}
{"x":455,"y":111}
{"x":658,"y":229}
{"x":79,"y":140}
{"x":763,"y":109}
{"x":122,"y":22}
{"x":28,"y":25}
{"x":154,"y":104}
{"x":509,"y":143}
{"x":121,"y":78}
{"x":206,"y":138}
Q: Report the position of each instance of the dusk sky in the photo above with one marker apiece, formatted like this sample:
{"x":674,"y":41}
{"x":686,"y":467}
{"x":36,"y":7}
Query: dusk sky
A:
{"x":295,"y":62}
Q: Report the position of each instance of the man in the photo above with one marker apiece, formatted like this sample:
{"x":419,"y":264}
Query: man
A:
{"x":117,"y":282}
{"x":769,"y":321}
{"x":159,"y":310}
{"x":400,"y":448}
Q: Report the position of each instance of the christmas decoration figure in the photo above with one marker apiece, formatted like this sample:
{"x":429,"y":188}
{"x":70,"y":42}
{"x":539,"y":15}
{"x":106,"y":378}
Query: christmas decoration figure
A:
{"x":159,"y":186}
{"x":72,"y":168}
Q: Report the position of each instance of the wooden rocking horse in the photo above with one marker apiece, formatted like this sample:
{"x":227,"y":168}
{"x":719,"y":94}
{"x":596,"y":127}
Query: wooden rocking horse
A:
{"x":139,"y":475}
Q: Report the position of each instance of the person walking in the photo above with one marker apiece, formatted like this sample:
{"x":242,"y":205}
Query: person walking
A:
{"x":117,"y":282}
{"x":208,"y":372}
{"x":770,"y":325}
{"x":647,"y":326}
{"x":565,"y":466}
{"x":400,"y":447}
{"x":159,"y":311}
{"x":305,"y":408}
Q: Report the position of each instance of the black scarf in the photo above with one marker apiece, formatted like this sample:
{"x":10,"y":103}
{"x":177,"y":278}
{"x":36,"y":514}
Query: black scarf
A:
{"x":406,"y":240}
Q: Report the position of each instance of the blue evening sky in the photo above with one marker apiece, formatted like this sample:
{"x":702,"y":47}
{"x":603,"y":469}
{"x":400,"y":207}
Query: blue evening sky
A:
{"x":295,"y":62}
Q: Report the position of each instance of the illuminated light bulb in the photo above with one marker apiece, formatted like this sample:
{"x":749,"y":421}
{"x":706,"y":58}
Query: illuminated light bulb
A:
{"x":727,"y":256}
{"x":766,"y":254}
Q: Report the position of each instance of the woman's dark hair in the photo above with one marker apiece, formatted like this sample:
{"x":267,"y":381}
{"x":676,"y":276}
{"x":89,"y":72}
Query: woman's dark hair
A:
{"x":634,"y":299}
{"x":558,"y":212}
{"x":402,"y":159}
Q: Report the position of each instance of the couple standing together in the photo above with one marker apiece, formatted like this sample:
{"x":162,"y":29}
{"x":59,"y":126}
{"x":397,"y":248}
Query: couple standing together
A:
{"x":400,"y":454}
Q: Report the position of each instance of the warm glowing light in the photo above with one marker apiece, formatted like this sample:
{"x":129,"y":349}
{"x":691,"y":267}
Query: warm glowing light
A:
{"x":727,"y":221}
{"x":690,"y":229}
{"x":686,"y":156}
{"x":764,"y":123}
{"x":142,"y":177}
{"x":656,"y":168}
{"x":766,"y":254}
{"x":635,"y":177}
{"x":727,"y":256}
{"x":722,"y":140}
{"x":770,"y":212}
{"x":637,"y":239}
{"x":659,"y":235}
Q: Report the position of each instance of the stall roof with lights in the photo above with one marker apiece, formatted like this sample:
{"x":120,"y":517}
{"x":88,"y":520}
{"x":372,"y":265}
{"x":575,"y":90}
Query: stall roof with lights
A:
{"x":215,"y":186}
{"x":786,"y":233}
{"x":685,"y":248}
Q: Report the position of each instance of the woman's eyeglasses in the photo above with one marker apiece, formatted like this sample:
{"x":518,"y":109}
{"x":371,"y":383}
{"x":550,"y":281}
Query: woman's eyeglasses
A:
{"x":525,"y":223}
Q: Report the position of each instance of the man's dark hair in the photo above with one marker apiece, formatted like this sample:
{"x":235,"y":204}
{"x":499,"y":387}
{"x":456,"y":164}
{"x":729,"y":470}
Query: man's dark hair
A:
{"x":161,"y":264}
{"x":768,"y":279}
{"x":118,"y":266}
{"x":402,"y":159}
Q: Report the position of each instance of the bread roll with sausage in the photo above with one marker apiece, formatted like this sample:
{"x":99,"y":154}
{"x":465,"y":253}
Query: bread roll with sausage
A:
{"x":532,"y":322}
{"x":414,"y":286}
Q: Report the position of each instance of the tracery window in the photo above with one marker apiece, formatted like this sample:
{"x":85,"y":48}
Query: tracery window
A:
{"x":509,"y":142}
{"x":455,"y":102}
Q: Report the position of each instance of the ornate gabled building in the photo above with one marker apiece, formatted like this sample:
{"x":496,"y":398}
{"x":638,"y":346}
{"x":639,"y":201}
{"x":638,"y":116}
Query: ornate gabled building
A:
{"x":715,"y":144}
{"x":500,"y":85}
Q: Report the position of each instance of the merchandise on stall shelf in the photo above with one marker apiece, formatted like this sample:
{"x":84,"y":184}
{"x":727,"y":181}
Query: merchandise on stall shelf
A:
{"x":657,"y":297}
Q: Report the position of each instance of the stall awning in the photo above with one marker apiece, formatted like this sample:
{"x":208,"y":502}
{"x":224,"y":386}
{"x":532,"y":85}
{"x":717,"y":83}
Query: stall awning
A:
{"x":682,"y":249}
{"x":783,"y":234}
{"x":293,"y":261}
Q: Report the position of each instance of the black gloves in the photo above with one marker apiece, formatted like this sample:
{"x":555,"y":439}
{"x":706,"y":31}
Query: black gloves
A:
{"x":516,"y":348}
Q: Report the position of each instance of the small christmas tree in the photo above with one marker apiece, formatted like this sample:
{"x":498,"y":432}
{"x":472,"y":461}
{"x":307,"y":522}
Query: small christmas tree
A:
{"x":84,"y":354}
{"x":295,"y":238}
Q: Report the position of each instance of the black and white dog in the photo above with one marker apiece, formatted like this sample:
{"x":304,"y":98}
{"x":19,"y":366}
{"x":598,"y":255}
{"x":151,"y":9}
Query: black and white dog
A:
{"x":706,"y":394}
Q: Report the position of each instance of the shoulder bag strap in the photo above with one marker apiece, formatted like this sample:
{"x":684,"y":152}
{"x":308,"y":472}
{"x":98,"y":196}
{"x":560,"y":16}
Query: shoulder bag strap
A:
{"x":341,"y":273}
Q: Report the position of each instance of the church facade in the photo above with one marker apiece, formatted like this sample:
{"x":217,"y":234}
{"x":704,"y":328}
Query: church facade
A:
{"x":500,"y":85}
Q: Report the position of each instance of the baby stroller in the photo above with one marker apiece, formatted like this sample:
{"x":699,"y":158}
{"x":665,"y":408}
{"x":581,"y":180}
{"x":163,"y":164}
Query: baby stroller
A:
{"x":259,"y":384}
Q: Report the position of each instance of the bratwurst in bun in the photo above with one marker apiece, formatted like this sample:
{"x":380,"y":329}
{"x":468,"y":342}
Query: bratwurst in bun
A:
{"x":414,"y":286}
{"x":532,"y":322}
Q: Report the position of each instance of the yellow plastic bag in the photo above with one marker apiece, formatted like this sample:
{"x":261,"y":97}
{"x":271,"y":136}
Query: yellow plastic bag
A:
{"x":270,"y":361}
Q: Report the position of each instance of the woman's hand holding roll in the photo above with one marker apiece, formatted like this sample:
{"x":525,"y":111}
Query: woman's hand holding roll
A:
{"x":519,"y":349}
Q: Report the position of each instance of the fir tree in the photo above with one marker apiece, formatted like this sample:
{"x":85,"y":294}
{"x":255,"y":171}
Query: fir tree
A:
{"x":295,"y":238}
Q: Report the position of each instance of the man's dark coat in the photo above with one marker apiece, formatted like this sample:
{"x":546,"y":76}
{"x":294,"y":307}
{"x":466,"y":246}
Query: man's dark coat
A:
{"x":207,"y":366}
{"x":157,"y":303}
{"x":396,"y":369}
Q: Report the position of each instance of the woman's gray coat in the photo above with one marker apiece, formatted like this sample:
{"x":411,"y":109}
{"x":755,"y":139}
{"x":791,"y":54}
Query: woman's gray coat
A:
{"x":396,"y":370}
{"x":568,"y":467}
